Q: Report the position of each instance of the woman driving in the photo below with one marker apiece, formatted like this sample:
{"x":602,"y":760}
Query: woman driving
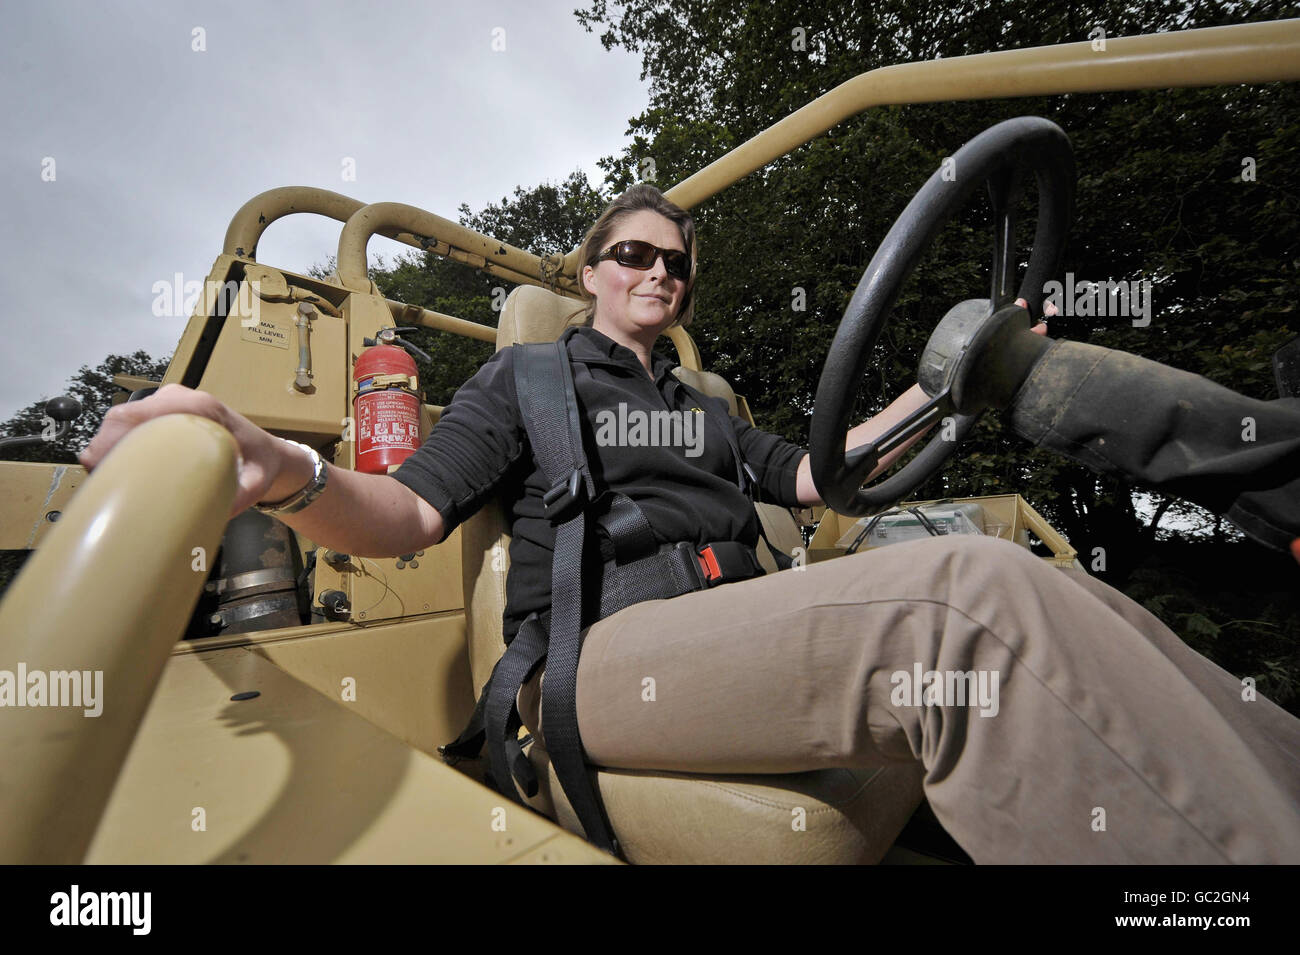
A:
{"x":1095,"y":703}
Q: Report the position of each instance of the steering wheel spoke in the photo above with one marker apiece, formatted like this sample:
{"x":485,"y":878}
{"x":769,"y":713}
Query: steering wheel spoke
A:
{"x":862,"y":460}
{"x":1005,"y":188}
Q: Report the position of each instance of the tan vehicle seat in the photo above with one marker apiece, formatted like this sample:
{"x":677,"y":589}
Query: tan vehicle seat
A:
{"x":852,"y":816}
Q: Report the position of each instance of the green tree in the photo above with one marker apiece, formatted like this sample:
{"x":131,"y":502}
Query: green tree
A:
{"x":1161,"y":195}
{"x":95,"y":389}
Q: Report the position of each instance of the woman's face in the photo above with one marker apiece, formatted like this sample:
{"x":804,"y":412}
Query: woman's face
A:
{"x":637,"y":303}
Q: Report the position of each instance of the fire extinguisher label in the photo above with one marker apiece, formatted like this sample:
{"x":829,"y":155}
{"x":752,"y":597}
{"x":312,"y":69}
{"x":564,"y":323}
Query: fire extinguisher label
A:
{"x":385,"y":423}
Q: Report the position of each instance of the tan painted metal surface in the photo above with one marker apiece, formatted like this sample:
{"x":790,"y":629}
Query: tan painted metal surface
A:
{"x":292,"y":776}
{"x":35,"y":496}
{"x":105,"y":597}
{"x":409,"y":677}
{"x":254,"y":369}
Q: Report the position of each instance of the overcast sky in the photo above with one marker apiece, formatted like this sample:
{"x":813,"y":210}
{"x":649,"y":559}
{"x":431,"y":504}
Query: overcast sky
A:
{"x":155,"y":145}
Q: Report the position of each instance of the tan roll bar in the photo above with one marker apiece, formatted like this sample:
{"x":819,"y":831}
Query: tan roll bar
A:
{"x":91,"y":600}
{"x":404,"y":314}
{"x":248,"y":224}
{"x":394,"y":220}
{"x":1243,"y":53}
{"x":443,"y":237}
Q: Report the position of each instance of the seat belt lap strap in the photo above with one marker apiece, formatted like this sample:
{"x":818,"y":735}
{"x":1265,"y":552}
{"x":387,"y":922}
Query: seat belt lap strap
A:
{"x":745,"y":477}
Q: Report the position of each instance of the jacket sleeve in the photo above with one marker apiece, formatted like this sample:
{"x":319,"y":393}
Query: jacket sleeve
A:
{"x":476,"y":441}
{"x":774,"y":459}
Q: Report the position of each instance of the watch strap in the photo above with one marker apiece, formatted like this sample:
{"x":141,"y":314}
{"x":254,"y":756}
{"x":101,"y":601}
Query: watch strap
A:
{"x":302,"y":498}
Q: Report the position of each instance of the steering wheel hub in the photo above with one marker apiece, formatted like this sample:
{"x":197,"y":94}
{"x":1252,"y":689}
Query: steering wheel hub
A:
{"x":978,"y":357}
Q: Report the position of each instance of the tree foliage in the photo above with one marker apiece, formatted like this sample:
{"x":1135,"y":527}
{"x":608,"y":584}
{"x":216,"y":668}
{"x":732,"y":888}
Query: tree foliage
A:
{"x":94,"y":389}
{"x":1193,"y":189}
{"x":1161,"y":195}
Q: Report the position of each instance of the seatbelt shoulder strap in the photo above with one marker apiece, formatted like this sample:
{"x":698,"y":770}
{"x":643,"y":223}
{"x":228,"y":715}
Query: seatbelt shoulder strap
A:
{"x":549,"y":407}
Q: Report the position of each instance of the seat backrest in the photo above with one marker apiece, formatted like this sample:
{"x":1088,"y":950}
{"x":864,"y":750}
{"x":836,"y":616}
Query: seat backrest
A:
{"x":533,"y":314}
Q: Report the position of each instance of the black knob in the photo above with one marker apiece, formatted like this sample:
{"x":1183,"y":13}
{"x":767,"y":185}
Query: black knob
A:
{"x":335,"y":604}
{"x":63,"y":408}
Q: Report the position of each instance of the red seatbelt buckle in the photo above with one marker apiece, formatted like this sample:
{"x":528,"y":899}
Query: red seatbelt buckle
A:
{"x":709,"y":565}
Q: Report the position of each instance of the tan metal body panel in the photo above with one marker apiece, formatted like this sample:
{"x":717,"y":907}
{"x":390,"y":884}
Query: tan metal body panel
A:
{"x":292,"y":777}
{"x":1010,"y":513}
{"x":252,"y":370}
{"x":411,"y":677}
{"x":32,"y":493}
{"x":379,"y":590}
{"x":222,"y":269}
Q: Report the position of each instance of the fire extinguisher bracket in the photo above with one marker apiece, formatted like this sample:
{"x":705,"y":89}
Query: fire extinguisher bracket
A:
{"x":410,"y":382}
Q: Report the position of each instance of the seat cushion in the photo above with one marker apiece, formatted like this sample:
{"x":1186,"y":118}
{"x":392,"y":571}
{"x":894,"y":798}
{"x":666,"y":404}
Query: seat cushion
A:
{"x":823,"y":817}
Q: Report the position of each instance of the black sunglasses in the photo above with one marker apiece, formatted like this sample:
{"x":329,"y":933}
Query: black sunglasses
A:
{"x":636,"y":254}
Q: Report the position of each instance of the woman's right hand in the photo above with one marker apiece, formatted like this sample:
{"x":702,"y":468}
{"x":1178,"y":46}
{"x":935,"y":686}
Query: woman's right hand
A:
{"x":261,"y":455}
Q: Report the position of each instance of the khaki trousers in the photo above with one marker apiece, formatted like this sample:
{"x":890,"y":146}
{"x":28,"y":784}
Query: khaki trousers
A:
{"x":1108,"y":740}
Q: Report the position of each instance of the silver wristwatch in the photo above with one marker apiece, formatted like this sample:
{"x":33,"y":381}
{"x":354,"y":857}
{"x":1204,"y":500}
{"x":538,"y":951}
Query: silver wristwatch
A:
{"x":297,"y":501}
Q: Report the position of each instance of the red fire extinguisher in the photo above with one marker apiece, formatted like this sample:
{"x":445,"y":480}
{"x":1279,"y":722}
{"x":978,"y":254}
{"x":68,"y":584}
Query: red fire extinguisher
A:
{"x":387,"y":403}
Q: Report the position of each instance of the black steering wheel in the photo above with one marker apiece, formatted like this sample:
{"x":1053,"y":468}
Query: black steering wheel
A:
{"x":999,"y":157}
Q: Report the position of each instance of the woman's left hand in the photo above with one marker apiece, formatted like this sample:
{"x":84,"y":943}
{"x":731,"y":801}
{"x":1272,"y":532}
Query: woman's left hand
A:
{"x":1048,"y":311}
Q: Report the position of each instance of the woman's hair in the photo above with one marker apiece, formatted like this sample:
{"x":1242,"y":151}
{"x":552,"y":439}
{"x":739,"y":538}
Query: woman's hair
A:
{"x":639,"y":197}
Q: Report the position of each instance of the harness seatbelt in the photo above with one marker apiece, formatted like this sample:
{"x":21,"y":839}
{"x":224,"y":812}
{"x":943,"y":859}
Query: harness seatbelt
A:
{"x":549,"y":408}
{"x":635,"y":568}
